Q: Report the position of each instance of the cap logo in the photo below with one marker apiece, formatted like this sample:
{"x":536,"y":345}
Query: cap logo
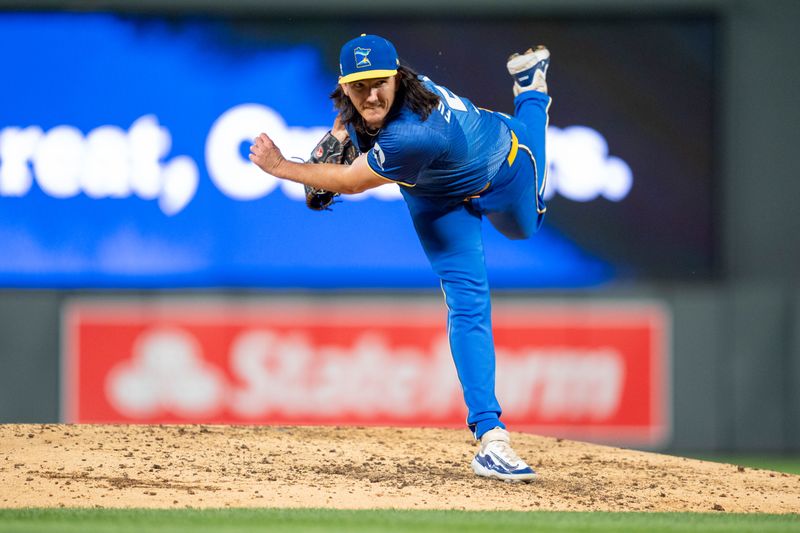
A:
{"x":361,"y":57}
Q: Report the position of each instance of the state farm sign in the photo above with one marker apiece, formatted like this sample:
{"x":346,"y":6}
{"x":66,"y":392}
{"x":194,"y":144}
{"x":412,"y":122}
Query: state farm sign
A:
{"x":594,"y":371}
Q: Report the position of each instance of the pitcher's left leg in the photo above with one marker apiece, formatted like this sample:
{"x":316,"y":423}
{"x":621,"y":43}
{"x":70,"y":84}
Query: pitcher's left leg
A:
{"x":451,"y":238}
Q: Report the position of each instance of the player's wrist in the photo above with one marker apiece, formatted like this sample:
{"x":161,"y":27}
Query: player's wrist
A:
{"x":340,"y":135}
{"x":279,"y":168}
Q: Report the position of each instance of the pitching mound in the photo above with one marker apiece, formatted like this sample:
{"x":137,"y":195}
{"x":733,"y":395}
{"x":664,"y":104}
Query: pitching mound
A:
{"x":352,"y":468}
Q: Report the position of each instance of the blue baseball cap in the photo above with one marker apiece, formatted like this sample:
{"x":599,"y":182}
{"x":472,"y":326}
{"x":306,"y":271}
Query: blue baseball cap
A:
{"x":367,"y":57}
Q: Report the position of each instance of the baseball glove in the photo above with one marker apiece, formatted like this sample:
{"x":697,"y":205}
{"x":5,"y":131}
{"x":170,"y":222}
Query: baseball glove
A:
{"x":328,"y":150}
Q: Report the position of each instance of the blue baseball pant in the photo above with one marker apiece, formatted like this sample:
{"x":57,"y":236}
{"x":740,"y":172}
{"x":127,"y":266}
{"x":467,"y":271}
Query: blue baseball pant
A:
{"x":450,"y":234}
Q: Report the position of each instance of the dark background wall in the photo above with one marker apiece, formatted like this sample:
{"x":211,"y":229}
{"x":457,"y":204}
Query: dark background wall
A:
{"x":736,"y":340}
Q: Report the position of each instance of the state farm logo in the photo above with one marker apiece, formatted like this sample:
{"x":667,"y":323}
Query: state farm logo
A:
{"x":594,"y":372}
{"x":167,"y":374}
{"x":274,"y":374}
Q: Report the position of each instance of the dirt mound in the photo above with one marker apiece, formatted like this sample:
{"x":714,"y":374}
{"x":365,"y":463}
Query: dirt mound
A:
{"x":353,"y":468}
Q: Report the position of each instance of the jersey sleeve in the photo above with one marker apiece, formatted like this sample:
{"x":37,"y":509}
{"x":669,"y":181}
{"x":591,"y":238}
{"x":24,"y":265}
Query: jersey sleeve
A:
{"x":400,"y":154}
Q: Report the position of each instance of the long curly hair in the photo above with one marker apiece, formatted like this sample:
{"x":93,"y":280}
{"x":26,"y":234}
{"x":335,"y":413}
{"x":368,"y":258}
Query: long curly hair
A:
{"x":411,"y":92}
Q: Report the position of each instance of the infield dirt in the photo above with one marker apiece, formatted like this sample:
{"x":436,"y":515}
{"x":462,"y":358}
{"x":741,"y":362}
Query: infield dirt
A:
{"x":357,"y":468}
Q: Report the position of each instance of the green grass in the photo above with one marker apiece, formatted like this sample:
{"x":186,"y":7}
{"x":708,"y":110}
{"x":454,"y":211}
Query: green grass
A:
{"x":381,"y":521}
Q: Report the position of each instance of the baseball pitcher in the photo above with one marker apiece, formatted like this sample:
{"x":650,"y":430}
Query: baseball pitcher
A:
{"x":455,"y":164}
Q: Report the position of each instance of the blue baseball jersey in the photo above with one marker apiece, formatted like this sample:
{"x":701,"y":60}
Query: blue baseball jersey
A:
{"x":454,"y":153}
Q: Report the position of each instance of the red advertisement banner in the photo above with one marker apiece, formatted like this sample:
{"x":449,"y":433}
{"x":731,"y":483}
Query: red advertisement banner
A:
{"x":592,"y":370}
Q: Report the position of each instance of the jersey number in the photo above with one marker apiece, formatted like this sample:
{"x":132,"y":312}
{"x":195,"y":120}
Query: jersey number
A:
{"x":453,"y":101}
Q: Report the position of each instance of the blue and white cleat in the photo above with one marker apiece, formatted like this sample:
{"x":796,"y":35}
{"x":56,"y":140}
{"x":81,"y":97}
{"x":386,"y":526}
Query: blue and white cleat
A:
{"x":496,"y":459}
{"x":529,"y":70}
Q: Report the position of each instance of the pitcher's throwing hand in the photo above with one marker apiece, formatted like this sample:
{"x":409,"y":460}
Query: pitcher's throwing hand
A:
{"x":265,"y":154}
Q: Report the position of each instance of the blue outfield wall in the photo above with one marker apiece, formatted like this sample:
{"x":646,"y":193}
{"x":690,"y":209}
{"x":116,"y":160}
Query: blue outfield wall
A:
{"x":132,"y":132}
